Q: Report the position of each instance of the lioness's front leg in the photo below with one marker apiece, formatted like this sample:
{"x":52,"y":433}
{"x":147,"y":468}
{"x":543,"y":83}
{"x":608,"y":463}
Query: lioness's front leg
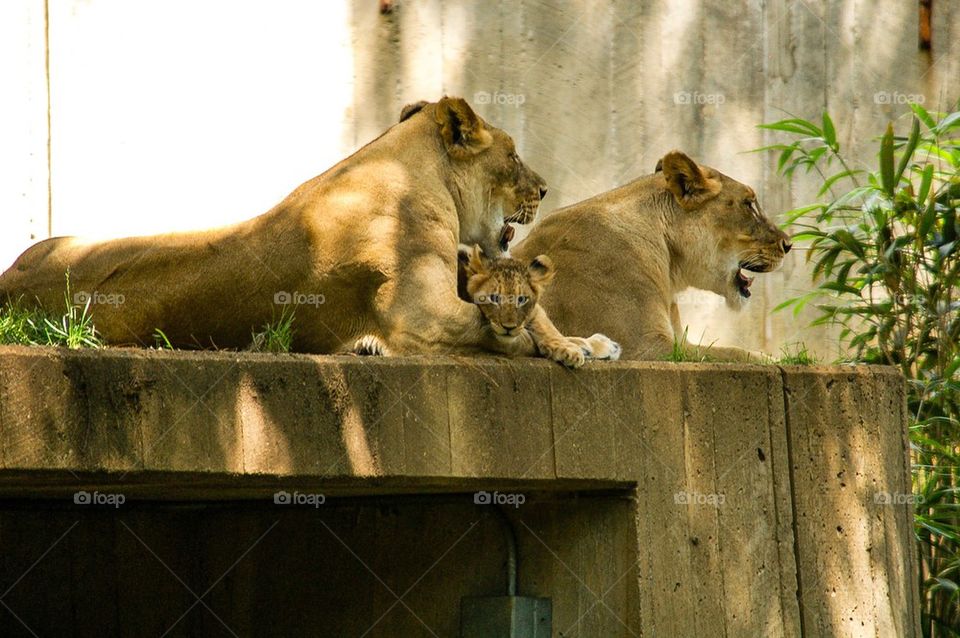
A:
{"x":660,"y":347}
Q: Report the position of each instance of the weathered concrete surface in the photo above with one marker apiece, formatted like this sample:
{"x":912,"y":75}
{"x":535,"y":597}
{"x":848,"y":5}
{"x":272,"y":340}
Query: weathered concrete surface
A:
{"x":846,"y":436}
{"x":662,"y":499}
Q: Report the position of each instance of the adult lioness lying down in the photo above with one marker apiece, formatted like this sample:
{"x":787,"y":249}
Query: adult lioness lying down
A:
{"x":629,"y":251}
{"x":367,"y":248}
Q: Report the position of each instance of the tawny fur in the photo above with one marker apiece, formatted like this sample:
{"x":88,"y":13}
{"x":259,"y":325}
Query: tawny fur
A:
{"x":623,"y":256}
{"x":371,"y":245}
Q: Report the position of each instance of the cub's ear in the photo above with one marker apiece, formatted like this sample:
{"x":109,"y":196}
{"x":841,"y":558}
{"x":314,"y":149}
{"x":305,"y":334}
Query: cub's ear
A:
{"x":412,"y":109}
{"x":462,"y":131}
{"x":541,"y":271}
{"x":689,"y":184}
{"x":477,"y":263}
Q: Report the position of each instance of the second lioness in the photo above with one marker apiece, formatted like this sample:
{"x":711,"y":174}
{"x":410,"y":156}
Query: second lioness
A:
{"x":631,"y":250}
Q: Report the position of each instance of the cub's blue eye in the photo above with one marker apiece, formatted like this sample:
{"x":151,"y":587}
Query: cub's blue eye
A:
{"x":522,"y":299}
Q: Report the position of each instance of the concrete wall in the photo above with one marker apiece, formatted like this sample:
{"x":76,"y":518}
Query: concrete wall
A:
{"x":659,"y":499}
{"x":183,"y":114}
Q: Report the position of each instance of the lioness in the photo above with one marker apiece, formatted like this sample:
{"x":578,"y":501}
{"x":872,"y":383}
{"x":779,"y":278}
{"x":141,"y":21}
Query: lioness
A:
{"x":368,"y":247}
{"x":629,"y":251}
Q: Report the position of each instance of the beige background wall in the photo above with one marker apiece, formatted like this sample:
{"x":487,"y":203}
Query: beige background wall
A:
{"x":183,"y":114}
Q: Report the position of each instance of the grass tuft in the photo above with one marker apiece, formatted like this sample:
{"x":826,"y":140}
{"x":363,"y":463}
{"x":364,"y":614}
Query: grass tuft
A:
{"x":797,"y":354}
{"x":21,"y":325}
{"x":683,"y":352}
{"x":276,"y":336}
{"x":161,"y":341}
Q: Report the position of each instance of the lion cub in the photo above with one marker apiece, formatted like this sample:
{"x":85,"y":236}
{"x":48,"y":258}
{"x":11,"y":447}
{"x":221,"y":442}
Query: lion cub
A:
{"x":506,"y":291}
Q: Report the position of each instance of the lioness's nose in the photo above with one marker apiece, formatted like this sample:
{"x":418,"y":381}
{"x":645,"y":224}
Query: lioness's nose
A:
{"x":786,"y":245}
{"x":543,"y":192}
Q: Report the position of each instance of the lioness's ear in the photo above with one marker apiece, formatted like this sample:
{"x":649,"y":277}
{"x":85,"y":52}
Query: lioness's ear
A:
{"x":412,"y":109}
{"x":688,"y":183}
{"x":462,"y":131}
{"x":541,"y":271}
{"x":477,"y":264}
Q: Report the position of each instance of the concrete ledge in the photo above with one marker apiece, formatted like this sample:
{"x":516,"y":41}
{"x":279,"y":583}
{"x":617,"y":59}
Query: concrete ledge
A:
{"x":760,"y":500}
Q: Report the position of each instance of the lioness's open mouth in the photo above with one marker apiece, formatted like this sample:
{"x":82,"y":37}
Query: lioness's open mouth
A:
{"x":506,"y":236}
{"x":742,"y":282}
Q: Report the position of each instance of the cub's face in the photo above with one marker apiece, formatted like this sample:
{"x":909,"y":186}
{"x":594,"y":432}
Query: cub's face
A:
{"x":506,"y":290}
{"x":721,"y":229}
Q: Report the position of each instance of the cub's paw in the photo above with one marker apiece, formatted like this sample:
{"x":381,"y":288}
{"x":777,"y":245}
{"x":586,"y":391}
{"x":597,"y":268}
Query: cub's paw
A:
{"x":567,"y":352}
{"x":370,"y":346}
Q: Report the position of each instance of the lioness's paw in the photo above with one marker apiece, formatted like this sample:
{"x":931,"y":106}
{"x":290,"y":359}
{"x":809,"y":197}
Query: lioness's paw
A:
{"x":598,"y":347}
{"x":604,"y":348}
{"x":370,"y":346}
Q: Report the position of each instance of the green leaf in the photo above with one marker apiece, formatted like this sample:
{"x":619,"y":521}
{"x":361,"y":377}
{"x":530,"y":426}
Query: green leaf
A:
{"x":925,"y":181}
{"x":907,"y":151}
{"x":795,"y":214}
{"x":846,"y":239}
{"x":947,"y":123}
{"x":833,"y":179}
{"x":886,"y":161}
{"x":785,"y":157}
{"x":794,"y":125}
{"x":810,"y":234}
{"x":785,"y":304}
{"x":923,"y":115}
{"x":829,"y":132}
{"x":837,"y":286}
